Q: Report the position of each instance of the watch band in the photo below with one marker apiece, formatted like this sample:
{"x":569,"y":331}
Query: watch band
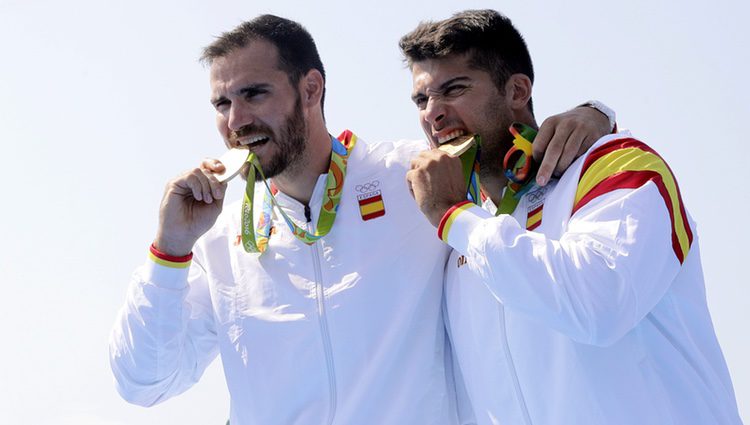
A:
{"x":604,"y":109}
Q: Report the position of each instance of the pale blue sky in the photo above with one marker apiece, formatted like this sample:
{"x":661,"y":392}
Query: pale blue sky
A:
{"x":104,"y":101}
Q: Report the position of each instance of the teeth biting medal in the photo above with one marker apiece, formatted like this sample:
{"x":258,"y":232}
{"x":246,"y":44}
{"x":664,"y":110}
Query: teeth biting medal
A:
{"x":458,"y":145}
{"x":467,"y":148}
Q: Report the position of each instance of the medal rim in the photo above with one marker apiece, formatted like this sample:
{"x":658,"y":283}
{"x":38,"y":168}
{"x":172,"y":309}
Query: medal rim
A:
{"x":233,"y":160}
{"x":458,"y":145}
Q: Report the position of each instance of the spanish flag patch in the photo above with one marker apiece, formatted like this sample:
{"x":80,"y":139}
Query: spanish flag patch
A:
{"x":371,"y":205}
{"x":534,"y":218}
{"x":629,"y":164}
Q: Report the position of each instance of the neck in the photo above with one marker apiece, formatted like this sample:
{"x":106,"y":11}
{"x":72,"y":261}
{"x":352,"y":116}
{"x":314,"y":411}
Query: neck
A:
{"x":493,"y":186}
{"x":300,"y":183}
{"x":526,"y":117}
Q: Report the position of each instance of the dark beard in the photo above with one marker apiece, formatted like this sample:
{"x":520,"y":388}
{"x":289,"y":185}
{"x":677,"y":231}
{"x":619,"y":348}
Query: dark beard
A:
{"x":496,"y":142}
{"x":291,"y":143}
{"x":491,"y":158}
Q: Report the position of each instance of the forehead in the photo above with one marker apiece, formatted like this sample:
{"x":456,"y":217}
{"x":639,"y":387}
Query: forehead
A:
{"x":432,"y":73}
{"x":253,"y":64}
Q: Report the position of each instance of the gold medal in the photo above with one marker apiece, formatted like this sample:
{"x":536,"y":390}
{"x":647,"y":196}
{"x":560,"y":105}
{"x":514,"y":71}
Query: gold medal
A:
{"x":458,"y":145}
{"x":233,"y":160}
{"x":467,"y":148}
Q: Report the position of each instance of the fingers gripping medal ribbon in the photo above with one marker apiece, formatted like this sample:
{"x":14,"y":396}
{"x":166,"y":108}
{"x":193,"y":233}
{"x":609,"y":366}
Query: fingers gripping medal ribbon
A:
{"x":519,"y":166}
{"x":467,"y":148}
{"x":256,"y":240}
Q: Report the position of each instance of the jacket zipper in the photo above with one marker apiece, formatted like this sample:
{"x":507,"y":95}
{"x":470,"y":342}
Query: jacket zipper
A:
{"x":323,"y":321}
{"x":512,"y":369}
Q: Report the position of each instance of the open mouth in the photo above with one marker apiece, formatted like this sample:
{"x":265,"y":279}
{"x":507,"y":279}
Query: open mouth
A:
{"x":458,"y":145}
{"x":254,"y":141}
{"x":453,"y":135}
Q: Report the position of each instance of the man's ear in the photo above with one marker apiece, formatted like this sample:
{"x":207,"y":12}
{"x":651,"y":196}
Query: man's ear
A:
{"x":311,"y":88}
{"x":518,"y":91}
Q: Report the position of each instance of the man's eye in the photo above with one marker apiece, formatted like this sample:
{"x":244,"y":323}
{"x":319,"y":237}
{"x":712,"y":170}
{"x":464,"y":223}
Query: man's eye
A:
{"x":252,"y":94}
{"x":221,"y":105}
{"x":454,"y":91}
{"x":421,"y":102}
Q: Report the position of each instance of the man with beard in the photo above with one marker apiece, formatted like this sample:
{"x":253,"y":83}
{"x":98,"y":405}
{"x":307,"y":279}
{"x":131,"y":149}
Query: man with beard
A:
{"x":598,"y":315}
{"x":346,"y":328}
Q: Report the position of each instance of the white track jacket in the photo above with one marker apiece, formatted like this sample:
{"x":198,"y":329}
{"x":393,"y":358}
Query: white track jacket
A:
{"x":598,"y":315}
{"x":346,"y":331}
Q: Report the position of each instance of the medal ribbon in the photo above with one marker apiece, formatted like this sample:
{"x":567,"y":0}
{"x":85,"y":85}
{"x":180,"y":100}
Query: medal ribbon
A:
{"x":256,"y":240}
{"x":469,"y":156}
{"x":520,"y":168}
{"x":470,"y":168}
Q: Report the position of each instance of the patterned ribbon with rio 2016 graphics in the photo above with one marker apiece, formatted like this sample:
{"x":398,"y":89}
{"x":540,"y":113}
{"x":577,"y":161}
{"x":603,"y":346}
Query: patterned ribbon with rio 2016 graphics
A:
{"x":256,"y":240}
{"x":520,"y":168}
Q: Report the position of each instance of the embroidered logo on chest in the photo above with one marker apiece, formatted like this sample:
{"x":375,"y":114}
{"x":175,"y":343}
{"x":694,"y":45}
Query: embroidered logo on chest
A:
{"x":370,"y":200}
{"x":535,"y":207}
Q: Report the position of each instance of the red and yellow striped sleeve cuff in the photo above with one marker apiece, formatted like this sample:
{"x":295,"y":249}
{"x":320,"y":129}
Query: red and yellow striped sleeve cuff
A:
{"x":459,"y":223}
{"x":167,"y":260}
{"x":628,"y":164}
{"x":449,"y":217}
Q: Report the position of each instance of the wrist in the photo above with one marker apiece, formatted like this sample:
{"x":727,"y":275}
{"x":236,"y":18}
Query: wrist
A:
{"x":172,"y":248}
{"x":168,"y":260}
{"x":446,"y":219}
{"x":440,"y":210}
{"x":605,"y":110}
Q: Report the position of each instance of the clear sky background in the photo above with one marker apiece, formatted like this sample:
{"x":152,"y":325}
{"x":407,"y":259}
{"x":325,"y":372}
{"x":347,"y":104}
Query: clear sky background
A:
{"x":101,"y":102}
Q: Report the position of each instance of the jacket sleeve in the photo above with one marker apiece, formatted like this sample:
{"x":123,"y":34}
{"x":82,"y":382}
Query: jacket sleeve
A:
{"x":611,"y":266}
{"x":164,"y":336}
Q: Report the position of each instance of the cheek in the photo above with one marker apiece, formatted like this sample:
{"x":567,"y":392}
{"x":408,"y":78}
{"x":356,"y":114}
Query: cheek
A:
{"x":464,"y":110}
{"x":424,"y":124}
{"x":427,"y":128}
{"x":222,"y":127}
{"x":221,"y":123}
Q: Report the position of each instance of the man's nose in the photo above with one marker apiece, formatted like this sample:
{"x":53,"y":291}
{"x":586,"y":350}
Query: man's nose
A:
{"x":434,"y":111}
{"x":239,"y":116}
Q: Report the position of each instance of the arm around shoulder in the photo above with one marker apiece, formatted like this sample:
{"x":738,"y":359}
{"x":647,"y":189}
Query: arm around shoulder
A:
{"x":611,"y":265}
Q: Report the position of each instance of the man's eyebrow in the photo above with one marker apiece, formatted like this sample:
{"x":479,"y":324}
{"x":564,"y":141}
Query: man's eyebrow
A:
{"x":250,"y":89}
{"x":452,"y":81}
{"x":219,"y":99}
{"x":443,"y":87}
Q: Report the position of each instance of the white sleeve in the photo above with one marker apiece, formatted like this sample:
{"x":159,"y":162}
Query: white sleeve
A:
{"x":611,"y":266}
{"x":164,"y":336}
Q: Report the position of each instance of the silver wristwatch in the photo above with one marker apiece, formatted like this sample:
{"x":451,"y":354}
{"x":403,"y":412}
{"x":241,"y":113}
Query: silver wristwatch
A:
{"x":604,"y":109}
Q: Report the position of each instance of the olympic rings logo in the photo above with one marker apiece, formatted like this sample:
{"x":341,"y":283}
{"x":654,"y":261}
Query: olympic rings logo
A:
{"x":536,"y":195}
{"x":367,"y":187}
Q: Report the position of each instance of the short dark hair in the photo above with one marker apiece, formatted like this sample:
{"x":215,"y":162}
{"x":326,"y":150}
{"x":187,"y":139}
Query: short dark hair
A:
{"x":297,"y":51}
{"x":491,"y":40}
